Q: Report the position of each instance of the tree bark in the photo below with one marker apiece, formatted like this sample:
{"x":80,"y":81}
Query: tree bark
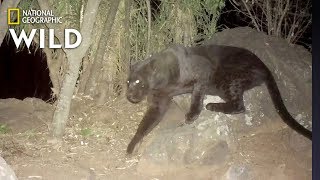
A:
{"x":103,"y":43}
{"x":3,"y":16}
{"x":125,"y":50}
{"x":74,"y":57}
{"x":126,"y":24}
{"x":149,"y":26}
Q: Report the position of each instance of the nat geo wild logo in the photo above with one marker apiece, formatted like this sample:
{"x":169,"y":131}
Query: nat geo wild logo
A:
{"x":17,"y":16}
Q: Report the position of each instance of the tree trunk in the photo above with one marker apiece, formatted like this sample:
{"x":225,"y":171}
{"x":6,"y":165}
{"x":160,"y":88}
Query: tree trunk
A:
{"x":3,"y":16}
{"x":125,"y":53}
{"x":54,"y":63}
{"x":112,"y":77}
{"x":86,"y":64}
{"x":89,"y":59}
{"x":149,"y":27}
{"x":74,"y":57}
{"x":103,"y":43}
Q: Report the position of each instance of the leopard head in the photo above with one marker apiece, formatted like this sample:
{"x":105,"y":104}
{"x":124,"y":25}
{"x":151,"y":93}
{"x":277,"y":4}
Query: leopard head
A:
{"x":137,"y":87}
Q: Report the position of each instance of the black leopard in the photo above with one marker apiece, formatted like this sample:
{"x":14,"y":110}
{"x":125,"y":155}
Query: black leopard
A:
{"x":223,"y":71}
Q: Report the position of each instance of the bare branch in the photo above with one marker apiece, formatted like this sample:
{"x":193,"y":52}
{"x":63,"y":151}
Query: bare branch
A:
{"x":251,"y":16}
{"x":282,"y":17}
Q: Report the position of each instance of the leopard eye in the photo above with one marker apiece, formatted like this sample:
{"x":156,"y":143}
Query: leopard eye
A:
{"x":128,"y":82}
{"x":137,"y":81}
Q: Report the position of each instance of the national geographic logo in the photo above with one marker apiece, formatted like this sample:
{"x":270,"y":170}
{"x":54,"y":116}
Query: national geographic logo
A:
{"x":15,"y":12}
{"x":16,"y":16}
{"x":31,"y":16}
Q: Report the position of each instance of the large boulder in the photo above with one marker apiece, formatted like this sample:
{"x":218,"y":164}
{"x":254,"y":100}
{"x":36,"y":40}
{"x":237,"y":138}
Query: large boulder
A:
{"x":291,"y":65}
{"x":245,"y":146}
{"x":25,"y":115}
{"x":6,"y":173}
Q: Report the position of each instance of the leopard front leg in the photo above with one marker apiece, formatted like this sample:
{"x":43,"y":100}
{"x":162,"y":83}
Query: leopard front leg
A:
{"x":196,"y":104}
{"x":154,"y":114}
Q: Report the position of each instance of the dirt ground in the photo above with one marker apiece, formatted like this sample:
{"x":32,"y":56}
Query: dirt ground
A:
{"x":93,"y":147}
{"x":96,"y":139}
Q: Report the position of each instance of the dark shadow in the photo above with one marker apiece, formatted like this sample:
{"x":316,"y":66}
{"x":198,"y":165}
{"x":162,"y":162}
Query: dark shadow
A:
{"x":231,"y":18}
{"x":23,"y":73}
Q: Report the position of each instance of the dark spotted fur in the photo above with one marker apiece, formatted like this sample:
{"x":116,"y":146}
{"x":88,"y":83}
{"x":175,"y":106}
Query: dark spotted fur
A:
{"x":223,"y":71}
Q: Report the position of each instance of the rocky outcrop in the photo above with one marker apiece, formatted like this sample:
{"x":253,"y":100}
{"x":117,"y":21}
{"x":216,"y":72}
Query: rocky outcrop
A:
{"x":245,"y":146}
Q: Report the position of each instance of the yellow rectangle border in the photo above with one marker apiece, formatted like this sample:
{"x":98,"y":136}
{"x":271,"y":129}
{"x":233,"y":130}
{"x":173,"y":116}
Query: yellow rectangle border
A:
{"x":18,"y":16}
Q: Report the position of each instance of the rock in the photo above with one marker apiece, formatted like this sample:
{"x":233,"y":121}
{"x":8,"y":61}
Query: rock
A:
{"x":299,"y":143}
{"x":6,"y":173}
{"x":187,"y":146}
{"x":237,"y":172}
{"x":291,"y":67}
{"x":214,"y":141}
{"x":21,"y":116}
